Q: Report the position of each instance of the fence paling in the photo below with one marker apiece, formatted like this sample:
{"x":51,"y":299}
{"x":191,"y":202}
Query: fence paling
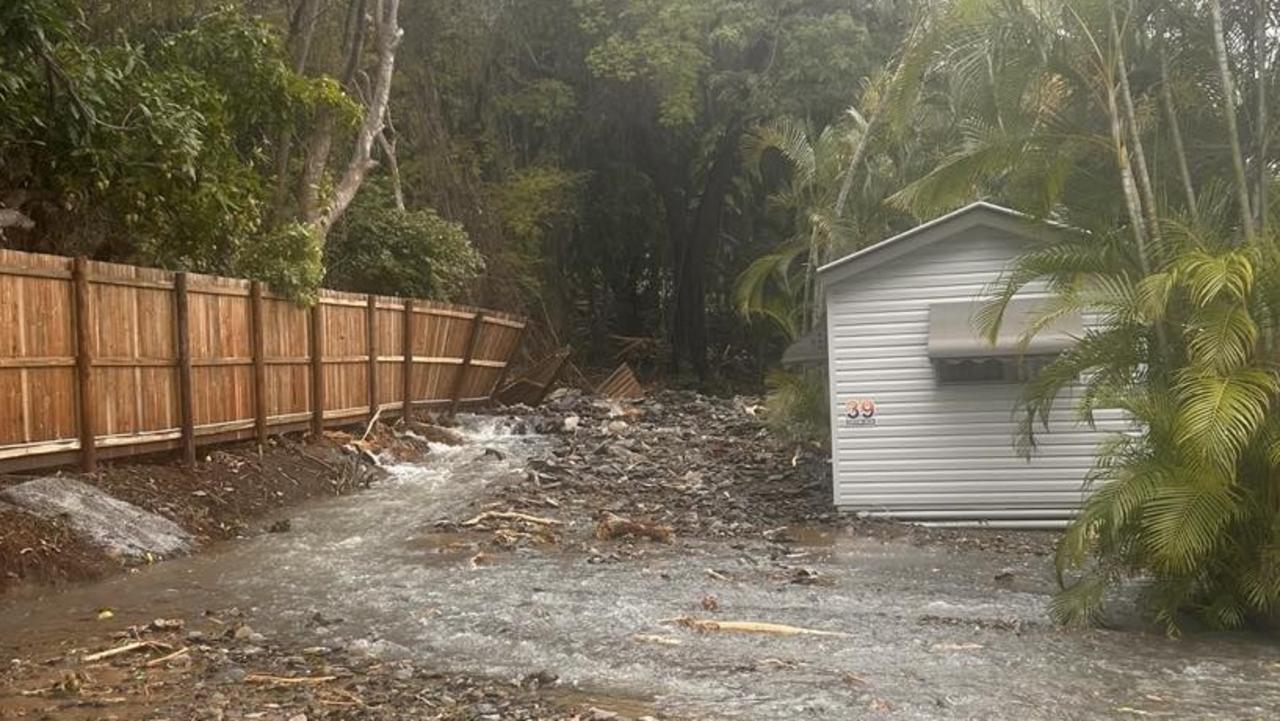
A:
{"x":110,"y":360}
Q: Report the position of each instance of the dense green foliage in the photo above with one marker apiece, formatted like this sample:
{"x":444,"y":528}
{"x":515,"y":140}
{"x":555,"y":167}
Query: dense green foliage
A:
{"x":796,"y":406}
{"x":378,"y":248}
{"x":152,"y":149}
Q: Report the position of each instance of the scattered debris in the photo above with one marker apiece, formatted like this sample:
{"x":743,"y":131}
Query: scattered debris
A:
{"x":204,"y":676}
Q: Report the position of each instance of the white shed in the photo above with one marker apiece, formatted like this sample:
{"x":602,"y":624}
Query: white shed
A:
{"x":922,"y":408}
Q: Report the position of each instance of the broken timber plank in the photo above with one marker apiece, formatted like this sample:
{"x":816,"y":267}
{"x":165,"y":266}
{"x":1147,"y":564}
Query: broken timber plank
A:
{"x":621,"y":384}
{"x":534,"y":385}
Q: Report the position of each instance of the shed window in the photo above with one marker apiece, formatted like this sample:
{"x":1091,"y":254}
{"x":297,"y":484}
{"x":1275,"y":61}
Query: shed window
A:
{"x":990,"y":370}
{"x":961,"y":354}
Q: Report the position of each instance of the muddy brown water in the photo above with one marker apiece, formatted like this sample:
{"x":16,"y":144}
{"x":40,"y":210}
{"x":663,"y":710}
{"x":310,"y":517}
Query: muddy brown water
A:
{"x":923,"y":632}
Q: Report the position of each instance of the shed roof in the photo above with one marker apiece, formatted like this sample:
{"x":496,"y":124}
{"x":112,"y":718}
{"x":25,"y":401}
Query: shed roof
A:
{"x":980,"y":213}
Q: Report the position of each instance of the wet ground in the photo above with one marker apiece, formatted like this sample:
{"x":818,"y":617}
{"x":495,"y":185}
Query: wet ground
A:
{"x":908,"y":631}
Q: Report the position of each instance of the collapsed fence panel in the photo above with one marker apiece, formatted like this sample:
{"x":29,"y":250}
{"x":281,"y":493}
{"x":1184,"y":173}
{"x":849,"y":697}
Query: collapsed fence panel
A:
{"x":102,"y":360}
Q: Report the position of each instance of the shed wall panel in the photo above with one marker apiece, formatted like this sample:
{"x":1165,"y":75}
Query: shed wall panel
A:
{"x":940,"y":451}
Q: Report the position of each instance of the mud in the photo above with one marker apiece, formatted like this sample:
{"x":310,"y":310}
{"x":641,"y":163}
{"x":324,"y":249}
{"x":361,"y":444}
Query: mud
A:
{"x":915,"y":630}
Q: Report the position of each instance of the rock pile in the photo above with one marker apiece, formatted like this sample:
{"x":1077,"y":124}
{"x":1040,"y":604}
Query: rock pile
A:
{"x":698,"y":465}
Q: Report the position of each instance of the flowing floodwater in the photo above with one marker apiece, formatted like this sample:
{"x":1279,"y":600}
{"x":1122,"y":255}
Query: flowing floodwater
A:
{"x":924,"y":632}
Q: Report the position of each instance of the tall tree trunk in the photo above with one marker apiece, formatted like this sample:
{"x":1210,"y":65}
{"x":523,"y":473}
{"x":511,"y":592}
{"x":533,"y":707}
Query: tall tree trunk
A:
{"x":1133,"y":205}
{"x":388,"y":38}
{"x":1264,"y":75}
{"x":689,"y":330}
{"x":302,"y":26}
{"x":1142,"y":177}
{"x":1229,"y":110}
{"x":859,"y":154}
{"x":1175,"y":133}
{"x":393,"y":169}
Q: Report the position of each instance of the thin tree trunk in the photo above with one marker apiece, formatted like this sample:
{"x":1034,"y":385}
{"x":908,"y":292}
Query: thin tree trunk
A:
{"x":1142,"y":176}
{"x":859,"y":153}
{"x":1127,"y":184}
{"x":1229,"y":110}
{"x":388,"y":38}
{"x":1263,"y":73}
{"x":1175,"y":132}
{"x":301,"y":30}
{"x":393,"y":168}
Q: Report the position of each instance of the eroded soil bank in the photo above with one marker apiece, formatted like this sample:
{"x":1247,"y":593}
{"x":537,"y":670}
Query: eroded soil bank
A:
{"x":500,"y":564}
{"x":221,"y":498}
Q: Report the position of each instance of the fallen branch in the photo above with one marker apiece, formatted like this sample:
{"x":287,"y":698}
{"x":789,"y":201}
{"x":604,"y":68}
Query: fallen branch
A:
{"x":288,"y":680}
{"x":652,"y":638}
{"x":126,"y":648}
{"x":510,"y":516}
{"x":369,"y":428}
{"x":777,"y":629}
{"x":167,"y":658}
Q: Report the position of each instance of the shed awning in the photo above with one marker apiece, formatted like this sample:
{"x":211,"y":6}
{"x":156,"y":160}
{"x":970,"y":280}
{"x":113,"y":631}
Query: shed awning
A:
{"x":809,"y":350}
{"x":952,"y":331}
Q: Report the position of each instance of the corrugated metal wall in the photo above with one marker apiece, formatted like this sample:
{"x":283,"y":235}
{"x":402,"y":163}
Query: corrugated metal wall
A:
{"x":941,"y":453}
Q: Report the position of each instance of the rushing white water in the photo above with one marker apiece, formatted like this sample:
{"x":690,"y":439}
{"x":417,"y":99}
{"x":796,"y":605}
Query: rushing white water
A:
{"x":926,"y":632}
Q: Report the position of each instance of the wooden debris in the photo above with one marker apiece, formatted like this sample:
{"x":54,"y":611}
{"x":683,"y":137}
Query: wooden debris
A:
{"x":534,"y":384}
{"x":126,"y":648}
{"x":180,"y":653}
{"x":660,"y":640}
{"x":956,"y":647}
{"x":288,"y":680}
{"x":510,"y":516}
{"x":777,"y":629}
{"x":621,"y":384}
{"x":613,"y":526}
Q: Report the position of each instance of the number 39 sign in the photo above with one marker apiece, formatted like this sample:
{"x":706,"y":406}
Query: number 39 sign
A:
{"x":860,"y":412}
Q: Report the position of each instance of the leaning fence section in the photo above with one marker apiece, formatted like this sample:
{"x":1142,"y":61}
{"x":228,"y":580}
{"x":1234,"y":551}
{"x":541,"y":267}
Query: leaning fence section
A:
{"x":101,"y":360}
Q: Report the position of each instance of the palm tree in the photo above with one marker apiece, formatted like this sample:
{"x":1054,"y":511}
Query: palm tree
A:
{"x":781,"y":284}
{"x":1180,"y":269}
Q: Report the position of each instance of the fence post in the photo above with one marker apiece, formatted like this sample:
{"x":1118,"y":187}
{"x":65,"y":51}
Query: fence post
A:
{"x":317,"y":368}
{"x":186,"y":399}
{"x":258,"y":335}
{"x":371,"y":344}
{"x":460,"y":381}
{"x":86,"y":400}
{"x":511,"y":357}
{"x":407,"y":390}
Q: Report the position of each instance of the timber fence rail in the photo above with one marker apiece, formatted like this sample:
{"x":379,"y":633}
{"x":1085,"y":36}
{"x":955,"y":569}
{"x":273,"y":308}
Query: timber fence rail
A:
{"x":102,"y":360}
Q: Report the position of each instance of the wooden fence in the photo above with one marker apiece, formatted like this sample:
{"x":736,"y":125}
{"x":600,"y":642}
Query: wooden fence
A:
{"x":102,"y":360}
